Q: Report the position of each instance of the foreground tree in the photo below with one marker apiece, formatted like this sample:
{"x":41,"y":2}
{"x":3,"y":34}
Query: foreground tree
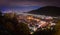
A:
{"x":22,"y":29}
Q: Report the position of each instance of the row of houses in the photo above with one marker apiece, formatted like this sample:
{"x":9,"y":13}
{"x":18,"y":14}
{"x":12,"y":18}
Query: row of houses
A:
{"x":35,"y":22}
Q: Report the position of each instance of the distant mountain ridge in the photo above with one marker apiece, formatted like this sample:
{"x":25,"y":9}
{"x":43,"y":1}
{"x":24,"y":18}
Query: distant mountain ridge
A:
{"x":47,"y":10}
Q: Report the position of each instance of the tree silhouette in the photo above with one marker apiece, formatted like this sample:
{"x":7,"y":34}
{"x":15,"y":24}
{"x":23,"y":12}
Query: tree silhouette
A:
{"x":22,"y":29}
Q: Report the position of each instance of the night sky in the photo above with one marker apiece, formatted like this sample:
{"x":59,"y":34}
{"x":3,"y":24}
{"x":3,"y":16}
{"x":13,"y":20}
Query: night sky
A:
{"x":26,"y":5}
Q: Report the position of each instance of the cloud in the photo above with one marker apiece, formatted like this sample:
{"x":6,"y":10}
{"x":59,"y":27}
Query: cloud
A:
{"x":30,"y":2}
{"x":27,"y":3}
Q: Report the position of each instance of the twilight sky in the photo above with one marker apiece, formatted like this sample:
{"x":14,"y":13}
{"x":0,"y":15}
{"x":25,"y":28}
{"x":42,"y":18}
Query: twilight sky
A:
{"x":26,"y":5}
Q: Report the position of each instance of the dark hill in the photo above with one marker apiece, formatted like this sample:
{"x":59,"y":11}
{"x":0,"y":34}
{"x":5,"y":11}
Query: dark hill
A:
{"x":47,"y":10}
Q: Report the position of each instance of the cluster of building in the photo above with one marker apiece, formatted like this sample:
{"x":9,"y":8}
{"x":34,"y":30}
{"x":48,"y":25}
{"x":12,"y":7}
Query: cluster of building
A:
{"x":34,"y":23}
